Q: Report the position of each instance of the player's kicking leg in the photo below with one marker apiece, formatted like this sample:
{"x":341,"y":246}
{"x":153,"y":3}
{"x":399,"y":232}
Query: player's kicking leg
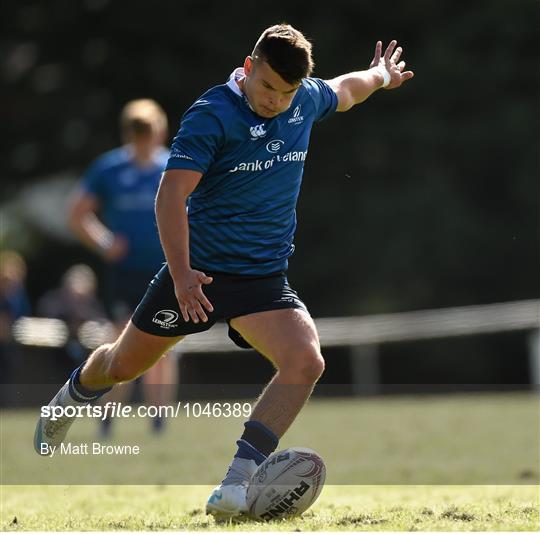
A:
{"x":131,"y":355}
{"x":289,"y":339}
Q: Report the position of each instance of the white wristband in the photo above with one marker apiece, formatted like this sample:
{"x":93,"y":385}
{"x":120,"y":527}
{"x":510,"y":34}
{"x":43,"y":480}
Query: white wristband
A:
{"x":381,"y":69}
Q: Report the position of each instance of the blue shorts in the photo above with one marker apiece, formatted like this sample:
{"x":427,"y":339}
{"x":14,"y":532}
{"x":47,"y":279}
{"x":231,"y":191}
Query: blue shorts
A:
{"x":231,"y":296}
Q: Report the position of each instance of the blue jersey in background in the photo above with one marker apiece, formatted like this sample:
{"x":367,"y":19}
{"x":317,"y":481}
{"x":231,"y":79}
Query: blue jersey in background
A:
{"x":242,"y":214}
{"x":126,"y":193}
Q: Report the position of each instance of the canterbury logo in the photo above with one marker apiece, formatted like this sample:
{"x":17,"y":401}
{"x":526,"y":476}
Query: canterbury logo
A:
{"x":296,"y":112}
{"x":257,"y":131}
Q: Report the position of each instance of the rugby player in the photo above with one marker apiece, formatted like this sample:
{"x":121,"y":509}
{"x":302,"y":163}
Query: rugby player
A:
{"x":237,"y":164}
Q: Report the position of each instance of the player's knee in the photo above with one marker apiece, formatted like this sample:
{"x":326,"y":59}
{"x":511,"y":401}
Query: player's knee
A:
{"x":305,"y":366}
{"x":315,"y":367}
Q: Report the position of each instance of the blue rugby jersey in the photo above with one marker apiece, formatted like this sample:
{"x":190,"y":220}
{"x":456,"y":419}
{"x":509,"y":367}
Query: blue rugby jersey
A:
{"x":126,"y":193}
{"x":242,"y":214}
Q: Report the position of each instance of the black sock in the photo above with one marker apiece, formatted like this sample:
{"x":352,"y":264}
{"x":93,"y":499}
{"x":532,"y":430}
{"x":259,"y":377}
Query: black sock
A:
{"x":79,"y":392}
{"x":260,"y":437}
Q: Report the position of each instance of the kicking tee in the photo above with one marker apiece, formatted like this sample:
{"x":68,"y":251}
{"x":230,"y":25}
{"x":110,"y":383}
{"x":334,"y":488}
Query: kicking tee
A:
{"x":126,"y":194}
{"x":242,"y":214}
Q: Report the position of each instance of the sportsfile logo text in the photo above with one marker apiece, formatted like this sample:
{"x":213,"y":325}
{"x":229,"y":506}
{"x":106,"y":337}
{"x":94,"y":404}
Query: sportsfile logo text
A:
{"x":118,"y":409}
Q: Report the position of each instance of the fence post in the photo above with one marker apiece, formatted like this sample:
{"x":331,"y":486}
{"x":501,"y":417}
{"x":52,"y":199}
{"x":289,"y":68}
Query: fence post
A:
{"x":365,"y":369}
{"x":534,"y":359}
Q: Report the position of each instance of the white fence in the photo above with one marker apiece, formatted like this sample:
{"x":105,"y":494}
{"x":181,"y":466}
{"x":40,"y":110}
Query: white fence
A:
{"x":363,"y":334}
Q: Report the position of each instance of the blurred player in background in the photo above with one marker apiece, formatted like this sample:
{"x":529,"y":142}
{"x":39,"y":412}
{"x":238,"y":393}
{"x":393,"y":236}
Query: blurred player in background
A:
{"x":237,"y":162}
{"x":112,"y":213}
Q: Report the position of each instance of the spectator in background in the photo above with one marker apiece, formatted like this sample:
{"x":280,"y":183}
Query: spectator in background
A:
{"x":13,"y":304}
{"x":75,"y":302}
{"x":112,"y":213}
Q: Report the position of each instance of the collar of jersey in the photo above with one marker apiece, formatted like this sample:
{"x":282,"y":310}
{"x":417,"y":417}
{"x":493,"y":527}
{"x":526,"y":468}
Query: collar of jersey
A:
{"x":238,"y":74}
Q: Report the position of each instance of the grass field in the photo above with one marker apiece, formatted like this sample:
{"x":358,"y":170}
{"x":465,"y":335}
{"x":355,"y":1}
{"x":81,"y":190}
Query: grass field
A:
{"x":461,"y":462}
{"x":431,"y":508}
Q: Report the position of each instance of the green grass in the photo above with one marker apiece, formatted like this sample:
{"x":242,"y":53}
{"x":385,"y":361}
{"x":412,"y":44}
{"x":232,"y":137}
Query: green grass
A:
{"x":457,"y":462}
{"x":388,"y":508}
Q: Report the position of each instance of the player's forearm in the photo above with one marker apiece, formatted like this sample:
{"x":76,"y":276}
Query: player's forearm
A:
{"x":173,"y":227}
{"x":355,"y":87}
{"x":91,"y":232}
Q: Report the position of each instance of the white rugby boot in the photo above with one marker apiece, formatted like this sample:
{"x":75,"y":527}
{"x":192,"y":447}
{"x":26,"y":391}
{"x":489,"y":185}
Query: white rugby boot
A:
{"x":50,"y":434}
{"x":229,"y":498}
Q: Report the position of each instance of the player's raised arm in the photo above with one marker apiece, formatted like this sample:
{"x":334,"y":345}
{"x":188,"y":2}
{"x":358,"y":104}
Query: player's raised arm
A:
{"x":386,"y":71}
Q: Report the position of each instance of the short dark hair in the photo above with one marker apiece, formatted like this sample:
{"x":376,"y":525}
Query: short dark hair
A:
{"x":287,"y":52}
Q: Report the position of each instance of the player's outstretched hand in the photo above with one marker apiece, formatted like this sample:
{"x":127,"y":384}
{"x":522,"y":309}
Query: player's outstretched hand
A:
{"x":390,"y":61}
{"x":190,"y":296}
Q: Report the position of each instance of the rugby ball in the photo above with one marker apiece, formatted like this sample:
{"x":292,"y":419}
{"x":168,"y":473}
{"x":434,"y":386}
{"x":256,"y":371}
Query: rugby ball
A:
{"x":287,"y":483}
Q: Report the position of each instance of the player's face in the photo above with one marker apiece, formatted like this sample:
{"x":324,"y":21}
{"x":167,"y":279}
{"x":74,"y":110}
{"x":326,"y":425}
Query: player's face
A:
{"x":145,"y":144}
{"x":267,"y":92}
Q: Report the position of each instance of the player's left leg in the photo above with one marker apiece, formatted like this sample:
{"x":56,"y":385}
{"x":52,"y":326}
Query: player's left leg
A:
{"x":288,"y":338}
